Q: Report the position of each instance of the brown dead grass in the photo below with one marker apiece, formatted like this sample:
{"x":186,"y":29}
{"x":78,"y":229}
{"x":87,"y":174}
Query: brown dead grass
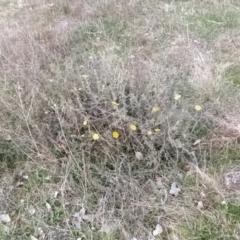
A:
{"x":46,"y":49}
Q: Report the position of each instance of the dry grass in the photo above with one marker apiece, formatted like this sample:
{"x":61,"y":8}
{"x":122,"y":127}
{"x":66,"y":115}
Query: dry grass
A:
{"x":110,"y":63}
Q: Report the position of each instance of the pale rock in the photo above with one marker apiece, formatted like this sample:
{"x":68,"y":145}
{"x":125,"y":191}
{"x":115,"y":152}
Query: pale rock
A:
{"x":158,"y":230}
{"x":5,"y":218}
{"x":174,"y":189}
{"x":139,"y":155}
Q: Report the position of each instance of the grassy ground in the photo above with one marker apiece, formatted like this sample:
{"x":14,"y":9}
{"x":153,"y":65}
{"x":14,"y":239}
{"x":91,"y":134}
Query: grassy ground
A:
{"x":87,"y":84}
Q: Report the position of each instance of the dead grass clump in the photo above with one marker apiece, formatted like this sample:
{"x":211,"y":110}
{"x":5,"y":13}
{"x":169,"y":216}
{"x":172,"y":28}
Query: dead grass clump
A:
{"x":84,"y":90}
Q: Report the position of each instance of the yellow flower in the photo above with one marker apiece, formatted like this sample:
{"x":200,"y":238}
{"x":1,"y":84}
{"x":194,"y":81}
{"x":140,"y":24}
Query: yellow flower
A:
{"x":177,"y":96}
{"x":198,"y":107}
{"x":85,"y":76}
{"x":95,"y":136}
{"x":133,"y":127}
{"x":85,"y":122}
{"x":149,"y":133}
{"x":155,"y":109}
{"x":115,"y":135}
{"x":157,"y":129}
{"x":115,"y":103}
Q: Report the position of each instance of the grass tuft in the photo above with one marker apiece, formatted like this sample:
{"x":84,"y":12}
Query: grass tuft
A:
{"x":208,"y":25}
{"x":104,"y":105}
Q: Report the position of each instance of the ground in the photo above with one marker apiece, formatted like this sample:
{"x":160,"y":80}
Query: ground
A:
{"x":119,"y":119}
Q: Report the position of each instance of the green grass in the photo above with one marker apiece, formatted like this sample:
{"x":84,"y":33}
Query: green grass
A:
{"x":209,"y":25}
{"x":215,"y":227}
{"x":233,"y":212}
{"x":223,"y":159}
{"x":233,"y":75}
{"x":11,"y":155}
{"x":36,"y":179}
{"x":91,"y":38}
{"x":65,"y":9}
{"x":199,"y":129}
{"x":90,"y":234}
{"x":205,"y":229}
{"x":105,"y":71}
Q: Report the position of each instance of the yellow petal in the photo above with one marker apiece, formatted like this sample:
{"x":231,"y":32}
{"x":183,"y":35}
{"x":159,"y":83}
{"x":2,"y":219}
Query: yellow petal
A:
{"x":85,"y":122}
{"x":79,"y":89}
{"x":95,"y":136}
{"x":177,"y":96}
{"x":155,"y":109}
{"x":198,"y":107}
{"x":85,"y":76}
{"x":157,"y":129}
{"x":133,"y":127}
{"x":115,"y":135}
{"x":149,"y":133}
{"x":115,"y":103}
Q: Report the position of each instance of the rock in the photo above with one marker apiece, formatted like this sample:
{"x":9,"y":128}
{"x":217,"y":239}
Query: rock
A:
{"x":231,"y":180}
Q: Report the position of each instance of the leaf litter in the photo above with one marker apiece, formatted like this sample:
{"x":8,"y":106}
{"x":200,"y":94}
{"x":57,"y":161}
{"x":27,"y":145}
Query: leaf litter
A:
{"x":48,"y":206}
{"x":79,"y":217}
{"x":158,"y":230}
{"x":31,"y":210}
{"x":33,"y":238}
{"x":139,"y":156}
{"x":175,"y":189}
{"x":200,"y":205}
{"x":5,"y":218}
